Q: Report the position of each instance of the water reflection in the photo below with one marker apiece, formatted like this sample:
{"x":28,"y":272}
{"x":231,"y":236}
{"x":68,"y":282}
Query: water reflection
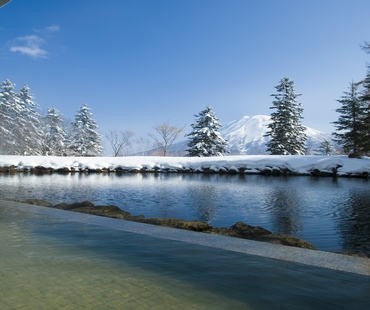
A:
{"x":284,"y":205}
{"x":204,"y":202}
{"x":354,"y":221}
{"x":332,"y":214}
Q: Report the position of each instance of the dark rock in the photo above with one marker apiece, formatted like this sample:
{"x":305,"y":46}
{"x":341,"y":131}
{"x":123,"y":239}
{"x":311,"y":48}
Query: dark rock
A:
{"x":233,"y":170}
{"x":41,"y":170}
{"x":89,"y":208}
{"x":38,"y":202}
{"x":276,"y":171}
{"x":120,"y":170}
{"x":8,"y":169}
{"x":64,"y":170}
{"x":222,"y":170}
{"x":242,"y":170}
{"x":321,"y":173}
{"x":97,"y":209}
{"x":286,"y":171}
{"x":176,"y":223}
{"x":266,"y":171}
{"x":136,"y":218}
{"x":242,"y":230}
{"x":65,"y":206}
{"x":83,"y":204}
{"x":286,"y":240}
{"x":35,"y":202}
{"x":248,"y":230}
{"x":62,"y":206}
{"x":107,"y":211}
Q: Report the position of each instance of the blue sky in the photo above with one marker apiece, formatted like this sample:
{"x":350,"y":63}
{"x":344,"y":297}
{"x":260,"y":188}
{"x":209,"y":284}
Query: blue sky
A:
{"x":138,"y":63}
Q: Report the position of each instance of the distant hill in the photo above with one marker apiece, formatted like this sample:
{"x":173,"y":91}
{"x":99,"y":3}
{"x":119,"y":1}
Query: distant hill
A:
{"x":246,"y":137}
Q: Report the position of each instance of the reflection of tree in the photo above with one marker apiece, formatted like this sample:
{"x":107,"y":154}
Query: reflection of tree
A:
{"x":203,"y":198}
{"x":284,"y":203}
{"x":355,"y":223}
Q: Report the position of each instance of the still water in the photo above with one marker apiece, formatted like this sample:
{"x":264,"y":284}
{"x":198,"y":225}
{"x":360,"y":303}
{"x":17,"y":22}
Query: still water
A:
{"x":48,"y":262}
{"x":332,"y":214}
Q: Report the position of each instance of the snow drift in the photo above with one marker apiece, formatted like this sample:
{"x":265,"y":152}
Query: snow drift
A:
{"x":265,"y":164}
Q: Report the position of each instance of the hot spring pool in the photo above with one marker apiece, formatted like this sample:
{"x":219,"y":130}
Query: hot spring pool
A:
{"x":48,"y":262}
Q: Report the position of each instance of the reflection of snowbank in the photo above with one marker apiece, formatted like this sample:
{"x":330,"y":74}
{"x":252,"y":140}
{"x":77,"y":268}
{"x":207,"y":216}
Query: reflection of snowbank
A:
{"x":247,"y":163}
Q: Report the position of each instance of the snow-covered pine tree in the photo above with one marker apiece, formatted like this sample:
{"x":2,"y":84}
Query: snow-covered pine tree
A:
{"x":83,"y":139}
{"x":205,"y":140}
{"x":29,"y":123}
{"x":350,"y":125}
{"x":54,"y":135}
{"x":287,"y":134}
{"x":19,"y":121}
{"x":365,"y":100}
{"x":8,"y":102}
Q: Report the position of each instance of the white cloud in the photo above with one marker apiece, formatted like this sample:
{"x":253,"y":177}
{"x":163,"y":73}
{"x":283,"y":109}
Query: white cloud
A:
{"x":52,"y":28}
{"x":29,"y":45}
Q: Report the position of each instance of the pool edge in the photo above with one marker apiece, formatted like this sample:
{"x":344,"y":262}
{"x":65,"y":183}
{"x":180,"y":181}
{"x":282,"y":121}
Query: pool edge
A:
{"x":314,"y":258}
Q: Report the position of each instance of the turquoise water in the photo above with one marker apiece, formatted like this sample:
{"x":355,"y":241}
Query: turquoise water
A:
{"x":332,"y":214}
{"x":48,"y":263}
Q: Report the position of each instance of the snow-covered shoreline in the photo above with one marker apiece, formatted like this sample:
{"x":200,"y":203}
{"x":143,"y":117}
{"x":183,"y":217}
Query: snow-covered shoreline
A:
{"x":264,"y":164}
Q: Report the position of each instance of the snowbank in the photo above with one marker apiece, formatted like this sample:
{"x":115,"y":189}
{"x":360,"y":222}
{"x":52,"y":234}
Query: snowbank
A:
{"x":265,"y":164}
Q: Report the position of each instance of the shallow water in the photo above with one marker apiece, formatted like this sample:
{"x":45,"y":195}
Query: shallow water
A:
{"x":332,"y":214}
{"x":46,"y":263}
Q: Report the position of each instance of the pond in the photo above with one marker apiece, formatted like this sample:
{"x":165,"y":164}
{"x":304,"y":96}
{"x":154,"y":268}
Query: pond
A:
{"x":331,"y":213}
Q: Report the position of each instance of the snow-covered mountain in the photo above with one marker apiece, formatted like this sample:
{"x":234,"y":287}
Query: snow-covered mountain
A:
{"x":246,"y":137}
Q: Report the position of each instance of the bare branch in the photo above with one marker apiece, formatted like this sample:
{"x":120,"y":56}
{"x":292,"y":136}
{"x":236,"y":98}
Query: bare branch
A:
{"x":167,"y":135}
{"x":119,"y":140}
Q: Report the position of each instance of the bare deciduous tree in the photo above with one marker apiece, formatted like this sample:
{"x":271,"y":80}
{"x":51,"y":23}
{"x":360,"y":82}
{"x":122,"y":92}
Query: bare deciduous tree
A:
{"x":119,"y":141}
{"x":167,"y":134}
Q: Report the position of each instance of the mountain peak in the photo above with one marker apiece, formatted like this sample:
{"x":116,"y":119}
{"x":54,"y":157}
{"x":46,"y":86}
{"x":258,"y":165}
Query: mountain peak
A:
{"x":246,"y":136}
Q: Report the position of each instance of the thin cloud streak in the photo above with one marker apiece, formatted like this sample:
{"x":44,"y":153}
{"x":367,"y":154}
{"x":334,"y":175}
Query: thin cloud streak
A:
{"x":30,"y":46}
{"x":52,"y":28}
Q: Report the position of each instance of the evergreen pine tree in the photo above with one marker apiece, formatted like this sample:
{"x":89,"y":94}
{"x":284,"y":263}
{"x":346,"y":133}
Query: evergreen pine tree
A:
{"x":83,"y":139}
{"x":287,"y":135}
{"x":205,"y":140}
{"x":11,"y":119}
{"x":365,"y":100}
{"x":326,"y":148}
{"x":29,"y":123}
{"x":54,"y":133}
{"x":350,"y":124}
{"x":19,"y":121}
{"x":8,"y":108}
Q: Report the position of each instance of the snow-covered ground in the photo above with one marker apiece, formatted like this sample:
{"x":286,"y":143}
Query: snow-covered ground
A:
{"x":253,"y":163}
